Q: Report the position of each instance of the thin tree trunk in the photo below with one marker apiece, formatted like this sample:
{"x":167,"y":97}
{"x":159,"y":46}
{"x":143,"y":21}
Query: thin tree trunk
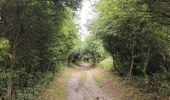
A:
{"x":94,"y":59}
{"x":146,"y":62}
{"x":10,"y":82}
{"x":132,"y":62}
{"x":14,"y":44}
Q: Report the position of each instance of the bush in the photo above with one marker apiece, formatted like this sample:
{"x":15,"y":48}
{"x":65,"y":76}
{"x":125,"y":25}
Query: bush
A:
{"x":107,"y":64}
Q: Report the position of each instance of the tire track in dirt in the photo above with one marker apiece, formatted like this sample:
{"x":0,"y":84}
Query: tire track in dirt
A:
{"x":92,"y":91}
{"x":73,"y":88}
{"x":88,"y":91}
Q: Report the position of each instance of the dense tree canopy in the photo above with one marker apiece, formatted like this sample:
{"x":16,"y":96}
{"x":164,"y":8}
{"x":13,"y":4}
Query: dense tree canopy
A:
{"x":37,"y":37}
{"x":136,"y":34}
{"x":136,"y":37}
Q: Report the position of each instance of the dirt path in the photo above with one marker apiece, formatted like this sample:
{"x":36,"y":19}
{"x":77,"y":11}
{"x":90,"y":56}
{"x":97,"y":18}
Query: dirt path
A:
{"x":73,"y":88}
{"x":89,"y":90}
{"x":84,"y":83}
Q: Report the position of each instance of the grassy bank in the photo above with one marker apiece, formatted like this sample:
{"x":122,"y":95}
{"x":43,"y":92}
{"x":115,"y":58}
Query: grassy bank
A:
{"x":136,"y":87}
{"x":57,"y":89}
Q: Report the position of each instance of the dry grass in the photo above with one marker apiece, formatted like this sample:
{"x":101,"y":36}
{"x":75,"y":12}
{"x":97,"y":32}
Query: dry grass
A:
{"x":112,"y":85}
{"x":57,"y":90}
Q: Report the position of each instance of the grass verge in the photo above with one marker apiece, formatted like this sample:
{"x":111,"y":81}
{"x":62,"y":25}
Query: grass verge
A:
{"x":57,"y":89}
{"x":111,"y":85}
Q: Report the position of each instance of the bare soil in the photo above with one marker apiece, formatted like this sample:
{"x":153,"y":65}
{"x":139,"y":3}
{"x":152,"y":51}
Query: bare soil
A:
{"x":84,"y":83}
{"x":89,"y":90}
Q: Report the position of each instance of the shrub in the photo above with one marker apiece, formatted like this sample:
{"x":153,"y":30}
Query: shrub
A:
{"x":107,"y":64}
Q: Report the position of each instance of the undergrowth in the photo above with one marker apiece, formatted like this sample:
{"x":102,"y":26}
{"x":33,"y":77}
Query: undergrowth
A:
{"x":107,"y":63}
{"x":155,"y":87}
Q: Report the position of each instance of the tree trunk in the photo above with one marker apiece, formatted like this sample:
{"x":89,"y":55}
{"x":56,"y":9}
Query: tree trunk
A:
{"x":146,"y":62}
{"x":94,"y":59}
{"x":10,"y":82}
{"x":132,"y":63}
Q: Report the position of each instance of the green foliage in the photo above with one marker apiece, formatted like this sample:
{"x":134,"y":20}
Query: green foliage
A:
{"x":4,"y":48}
{"x":92,"y":48}
{"x":150,"y":87}
{"x":107,"y":64}
{"x":39,"y":37}
{"x":130,"y":34}
{"x":136,"y":34}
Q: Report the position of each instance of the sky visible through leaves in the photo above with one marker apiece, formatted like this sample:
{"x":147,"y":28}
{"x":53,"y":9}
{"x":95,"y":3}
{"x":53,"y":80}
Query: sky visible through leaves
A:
{"x":85,"y":14}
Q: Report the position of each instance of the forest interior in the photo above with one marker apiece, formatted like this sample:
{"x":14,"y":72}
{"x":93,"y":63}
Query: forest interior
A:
{"x":84,"y":49}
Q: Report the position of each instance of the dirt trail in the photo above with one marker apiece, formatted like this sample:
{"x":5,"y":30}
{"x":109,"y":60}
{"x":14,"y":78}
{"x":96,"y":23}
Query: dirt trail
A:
{"x":88,"y":90}
{"x":84,"y":83}
{"x":74,"y":92}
